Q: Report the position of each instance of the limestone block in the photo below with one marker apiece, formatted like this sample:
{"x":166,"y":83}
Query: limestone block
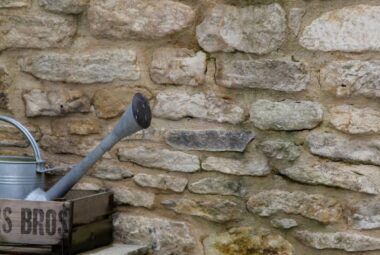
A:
{"x":128,"y":19}
{"x":252,"y":29}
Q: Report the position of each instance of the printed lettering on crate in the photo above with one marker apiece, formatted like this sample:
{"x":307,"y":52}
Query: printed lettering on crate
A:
{"x":29,"y":221}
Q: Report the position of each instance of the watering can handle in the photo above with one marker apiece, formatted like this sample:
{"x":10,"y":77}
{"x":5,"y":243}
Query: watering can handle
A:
{"x":28,"y":135}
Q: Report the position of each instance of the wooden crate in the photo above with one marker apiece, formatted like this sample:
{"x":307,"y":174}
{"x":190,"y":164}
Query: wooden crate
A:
{"x":80,"y":222}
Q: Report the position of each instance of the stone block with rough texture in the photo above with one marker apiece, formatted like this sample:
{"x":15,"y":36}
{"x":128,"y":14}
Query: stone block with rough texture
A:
{"x":252,"y":29}
{"x":209,"y":140}
{"x":284,"y":223}
{"x":255,"y":165}
{"x":348,"y":29}
{"x":295,"y":16}
{"x":317,"y":207}
{"x":246,"y":240}
{"x":55,"y":102}
{"x":353,"y":120}
{"x":218,"y":186}
{"x":98,"y":66}
{"x":347,"y":241}
{"x":73,"y":145}
{"x":65,"y":6}
{"x":280,"y":150}
{"x":286,"y":115}
{"x":365,"y":214}
{"x":342,"y":147}
{"x":132,"y":196}
{"x":161,"y":181}
{"x":111,"y":102}
{"x":243,"y":71}
{"x":352,"y":78}
{"x":161,"y":158}
{"x":14,"y":3}
{"x":109,"y":171}
{"x":12,"y":137}
{"x":126,"y":19}
{"x":175,"y":105}
{"x":178,"y":66}
{"x":163,"y":236}
{"x":331,"y":174}
{"x":212,"y":209}
{"x":36,"y":31}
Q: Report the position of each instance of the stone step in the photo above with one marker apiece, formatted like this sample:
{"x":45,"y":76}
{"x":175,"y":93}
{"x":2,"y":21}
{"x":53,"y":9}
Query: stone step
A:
{"x":119,"y":249}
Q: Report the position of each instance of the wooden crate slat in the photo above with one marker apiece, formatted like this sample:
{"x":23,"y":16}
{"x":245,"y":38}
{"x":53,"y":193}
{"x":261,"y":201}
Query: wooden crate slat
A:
{"x":33,"y":222}
{"x":90,"y":208}
{"x":91,"y":236}
{"x":25,"y":250}
{"x":56,"y":227}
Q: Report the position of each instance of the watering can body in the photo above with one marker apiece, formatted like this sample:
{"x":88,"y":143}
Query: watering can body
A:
{"x":20,"y":175}
{"x":23,"y":177}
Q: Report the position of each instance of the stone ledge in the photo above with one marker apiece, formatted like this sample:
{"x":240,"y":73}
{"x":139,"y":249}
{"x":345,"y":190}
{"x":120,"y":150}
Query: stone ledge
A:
{"x":119,"y":249}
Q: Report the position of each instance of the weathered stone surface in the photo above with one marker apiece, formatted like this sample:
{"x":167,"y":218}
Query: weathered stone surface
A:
{"x":348,"y":29}
{"x":84,"y":127}
{"x":236,"y":71}
{"x":111,"y":102}
{"x":365,"y":214}
{"x":65,"y":6}
{"x":176,"y":105}
{"x":286,"y":115}
{"x":14,"y":3}
{"x":154,"y":134}
{"x":11,"y":136}
{"x":118,"y":248}
{"x":313,"y":206}
{"x":331,"y":174}
{"x":102,"y":65}
{"x":109,"y":171}
{"x":5,"y":81}
{"x":161,"y":181}
{"x":178,"y":66}
{"x":126,"y":19}
{"x":36,"y":31}
{"x":75,"y":126}
{"x":295,"y":19}
{"x":217,"y":185}
{"x":280,"y":150}
{"x":163,"y":236}
{"x":209,"y":140}
{"x":256,"y":165}
{"x":284,"y":223}
{"x":342,"y":147}
{"x":253,"y":29}
{"x":212,"y":209}
{"x":352,"y":78}
{"x":354,"y":120}
{"x":161,"y":158}
{"x":348,"y":241}
{"x":55,"y":102}
{"x":87,"y":183}
{"x":245,"y":240}
{"x":69,"y":145}
{"x":132,"y":196}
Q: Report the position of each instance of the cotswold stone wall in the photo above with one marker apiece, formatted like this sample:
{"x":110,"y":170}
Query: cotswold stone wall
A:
{"x":265,"y":137}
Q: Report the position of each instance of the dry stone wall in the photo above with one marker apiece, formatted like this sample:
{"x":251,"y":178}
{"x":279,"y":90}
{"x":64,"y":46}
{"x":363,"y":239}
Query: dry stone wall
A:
{"x":266,"y":130}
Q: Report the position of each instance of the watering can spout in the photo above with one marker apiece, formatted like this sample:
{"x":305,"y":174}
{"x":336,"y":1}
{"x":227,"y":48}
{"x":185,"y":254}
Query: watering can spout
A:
{"x":136,"y":117}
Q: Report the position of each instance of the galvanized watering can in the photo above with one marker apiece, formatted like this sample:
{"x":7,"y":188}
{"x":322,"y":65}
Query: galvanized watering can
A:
{"x":23,"y":177}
